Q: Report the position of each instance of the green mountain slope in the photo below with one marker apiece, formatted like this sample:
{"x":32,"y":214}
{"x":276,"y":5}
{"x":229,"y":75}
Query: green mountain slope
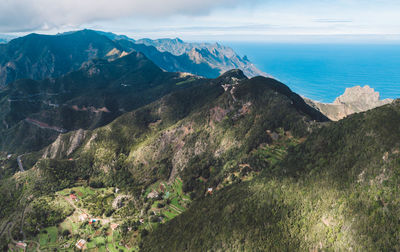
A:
{"x":203,"y":124}
{"x":33,"y":113}
{"x":41,"y":56}
{"x":336,"y":191}
{"x":207,"y":134}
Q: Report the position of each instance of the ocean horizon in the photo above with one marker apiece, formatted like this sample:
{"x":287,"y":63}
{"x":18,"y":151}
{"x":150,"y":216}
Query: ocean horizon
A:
{"x":322,"y":72}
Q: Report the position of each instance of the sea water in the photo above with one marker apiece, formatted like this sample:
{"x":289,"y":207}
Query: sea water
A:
{"x":322,"y":72}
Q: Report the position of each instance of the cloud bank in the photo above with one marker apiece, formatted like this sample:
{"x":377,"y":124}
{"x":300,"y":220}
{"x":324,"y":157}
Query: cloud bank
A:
{"x":29,"y":15}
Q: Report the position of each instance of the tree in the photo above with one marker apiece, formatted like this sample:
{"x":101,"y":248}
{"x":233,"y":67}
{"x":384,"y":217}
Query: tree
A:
{"x":66,"y":232}
{"x":144,"y":232}
{"x":154,"y":218}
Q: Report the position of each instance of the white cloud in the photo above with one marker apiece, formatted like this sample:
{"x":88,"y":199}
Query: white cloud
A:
{"x":26,"y":15}
{"x":204,"y":19}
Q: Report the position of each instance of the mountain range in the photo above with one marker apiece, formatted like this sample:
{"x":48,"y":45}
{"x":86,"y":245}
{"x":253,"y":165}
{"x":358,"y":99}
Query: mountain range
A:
{"x":215,"y":55}
{"x":49,"y":56}
{"x":105,"y":146}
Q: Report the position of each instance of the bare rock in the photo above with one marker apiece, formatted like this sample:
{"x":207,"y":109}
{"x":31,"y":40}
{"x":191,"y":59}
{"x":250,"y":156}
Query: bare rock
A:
{"x":354,"y":100}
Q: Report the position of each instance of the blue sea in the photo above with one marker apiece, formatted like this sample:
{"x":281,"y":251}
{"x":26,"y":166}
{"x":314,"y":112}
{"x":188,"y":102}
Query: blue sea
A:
{"x":323,"y":71}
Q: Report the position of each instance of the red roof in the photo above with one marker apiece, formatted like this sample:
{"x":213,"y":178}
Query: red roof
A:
{"x":72,"y":196}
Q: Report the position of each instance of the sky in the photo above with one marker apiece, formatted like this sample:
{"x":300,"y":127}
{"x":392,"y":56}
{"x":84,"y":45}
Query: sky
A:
{"x":210,"y":20}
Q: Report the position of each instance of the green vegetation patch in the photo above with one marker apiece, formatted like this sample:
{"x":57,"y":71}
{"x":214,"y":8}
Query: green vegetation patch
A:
{"x":189,"y":80}
{"x":46,"y":211}
{"x":336,"y":191}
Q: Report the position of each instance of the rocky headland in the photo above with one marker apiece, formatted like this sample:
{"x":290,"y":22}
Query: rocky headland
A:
{"x":354,"y":100}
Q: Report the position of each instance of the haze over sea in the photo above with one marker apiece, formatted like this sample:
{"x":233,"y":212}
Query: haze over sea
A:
{"x":322,"y":72}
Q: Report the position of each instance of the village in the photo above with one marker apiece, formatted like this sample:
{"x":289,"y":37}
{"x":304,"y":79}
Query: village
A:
{"x":107,"y":219}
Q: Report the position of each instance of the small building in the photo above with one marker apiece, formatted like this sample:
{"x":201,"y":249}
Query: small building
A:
{"x":92,"y":221}
{"x":80,"y":244}
{"x":73,"y":197}
{"x":9,"y":156}
{"x":210,"y":190}
{"x":114,"y":226}
{"x":21,"y":245}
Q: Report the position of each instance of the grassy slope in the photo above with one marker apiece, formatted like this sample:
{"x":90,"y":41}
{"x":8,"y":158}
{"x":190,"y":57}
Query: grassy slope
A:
{"x":201,"y":132}
{"x":337,"y":190}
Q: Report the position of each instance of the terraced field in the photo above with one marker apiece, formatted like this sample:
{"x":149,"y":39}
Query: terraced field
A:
{"x":109,"y":229}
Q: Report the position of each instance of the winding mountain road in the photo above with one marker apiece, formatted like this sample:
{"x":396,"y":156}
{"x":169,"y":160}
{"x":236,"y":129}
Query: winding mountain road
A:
{"x":21,"y":230}
{"x":5,"y":228}
{"x":9,"y":227}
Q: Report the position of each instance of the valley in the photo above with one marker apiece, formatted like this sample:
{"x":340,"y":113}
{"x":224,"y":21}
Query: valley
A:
{"x":116,"y":154}
{"x":105,"y":219}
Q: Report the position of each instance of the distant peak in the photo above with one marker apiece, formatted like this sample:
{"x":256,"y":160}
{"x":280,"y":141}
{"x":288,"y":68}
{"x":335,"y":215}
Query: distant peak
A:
{"x":234,"y":73}
{"x":86,"y":31}
{"x":33,"y":35}
{"x":78,"y":32}
{"x":179,"y":40}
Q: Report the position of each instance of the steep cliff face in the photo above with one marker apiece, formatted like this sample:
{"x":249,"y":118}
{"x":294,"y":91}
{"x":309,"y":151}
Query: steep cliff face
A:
{"x":65,"y":144}
{"x":354,"y":100}
{"x":217,"y":56}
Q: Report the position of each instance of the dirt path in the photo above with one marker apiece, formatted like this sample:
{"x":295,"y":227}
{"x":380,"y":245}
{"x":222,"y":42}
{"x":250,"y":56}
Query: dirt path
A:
{"x":43,"y":125}
{"x":4,"y":228}
{"x":10,"y":226}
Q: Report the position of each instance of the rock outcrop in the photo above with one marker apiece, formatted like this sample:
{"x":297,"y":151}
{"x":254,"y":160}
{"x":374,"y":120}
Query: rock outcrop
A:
{"x":354,"y":100}
{"x":216,"y":56}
